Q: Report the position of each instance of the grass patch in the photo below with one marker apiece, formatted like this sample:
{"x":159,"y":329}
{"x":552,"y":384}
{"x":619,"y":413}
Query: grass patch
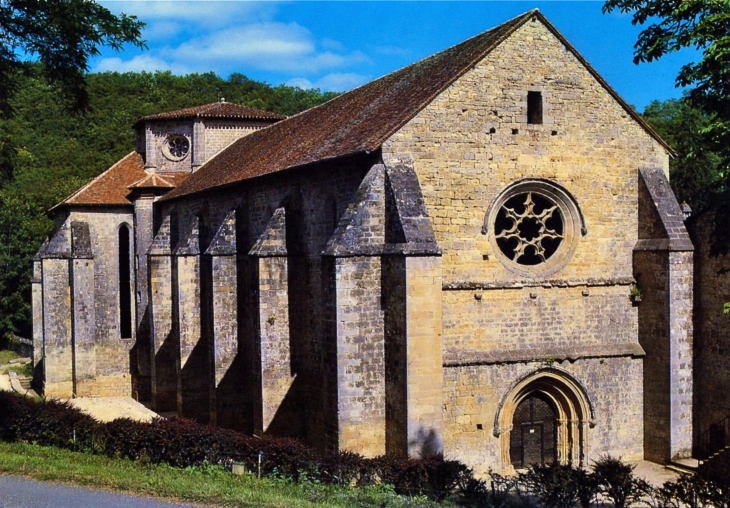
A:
{"x":23,"y":369}
{"x":7,"y":355}
{"x":210,"y":485}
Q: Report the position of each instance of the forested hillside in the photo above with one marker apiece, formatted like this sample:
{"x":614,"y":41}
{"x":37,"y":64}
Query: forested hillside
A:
{"x":47,"y":151}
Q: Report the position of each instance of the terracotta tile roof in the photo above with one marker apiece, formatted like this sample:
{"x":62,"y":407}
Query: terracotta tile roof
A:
{"x":111,"y":188}
{"x":215,"y":110}
{"x":153,"y":181}
{"x":363,"y":118}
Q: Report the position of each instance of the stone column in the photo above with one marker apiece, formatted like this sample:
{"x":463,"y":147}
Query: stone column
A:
{"x":424,"y":359}
{"x":272,"y":348}
{"x":680,"y":371}
{"x":193,"y":383}
{"x":413,"y":354}
{"x":57,"y":328}
{"x":163,"y":329}
{"x":37,"y":303}
{"x":198,"y":144}
{"x":150,"y":163}
{"x":663,"y":268}
{"x":360,"y":355}
{"x":84,"y":324}
{"x":224,"y":275}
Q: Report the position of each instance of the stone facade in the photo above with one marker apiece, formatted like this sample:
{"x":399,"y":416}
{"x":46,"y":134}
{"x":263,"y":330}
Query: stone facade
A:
{"x":372,"y":301}
{"x":712,"y":334}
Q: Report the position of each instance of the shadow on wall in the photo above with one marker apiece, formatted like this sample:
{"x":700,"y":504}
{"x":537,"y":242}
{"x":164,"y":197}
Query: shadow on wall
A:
{"x":426,"y":443}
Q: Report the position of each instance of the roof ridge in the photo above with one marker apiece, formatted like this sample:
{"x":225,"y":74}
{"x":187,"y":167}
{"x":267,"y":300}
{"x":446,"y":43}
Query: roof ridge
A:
{"x":364,"y":118}
{"x":412,"y":64}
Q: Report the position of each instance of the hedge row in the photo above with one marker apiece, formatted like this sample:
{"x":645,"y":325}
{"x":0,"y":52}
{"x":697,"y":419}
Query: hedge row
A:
{"x":183,"y":443}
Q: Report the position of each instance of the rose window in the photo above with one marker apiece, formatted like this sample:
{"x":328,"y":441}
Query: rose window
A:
{"x":534,"y":227}
{"x":529,"y":228}
{"x":176,"y":147}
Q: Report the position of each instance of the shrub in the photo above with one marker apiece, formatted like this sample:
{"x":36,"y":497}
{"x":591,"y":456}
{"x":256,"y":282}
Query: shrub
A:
{"x":616,"y":481}
{"x":48,"y":423}
{"x":695,"y":492}
{"x":555,"y":485}
{"x":184,"y":443}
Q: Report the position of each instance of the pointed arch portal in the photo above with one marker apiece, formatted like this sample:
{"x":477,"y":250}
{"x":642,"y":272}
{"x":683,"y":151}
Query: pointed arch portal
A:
{"x":544,"y":418}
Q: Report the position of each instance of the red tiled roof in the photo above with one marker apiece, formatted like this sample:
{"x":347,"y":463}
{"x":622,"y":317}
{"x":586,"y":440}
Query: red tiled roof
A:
{"x":153,"y":181}
{"x":111,"y":188}
{"x":363,"y":118}
{"x":215,"y":110}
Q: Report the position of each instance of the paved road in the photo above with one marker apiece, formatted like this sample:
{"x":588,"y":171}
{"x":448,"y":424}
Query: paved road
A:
{"x":18,"y":492}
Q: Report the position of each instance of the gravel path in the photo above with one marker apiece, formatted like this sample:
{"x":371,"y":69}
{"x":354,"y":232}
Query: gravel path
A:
{"x":18,"y":492}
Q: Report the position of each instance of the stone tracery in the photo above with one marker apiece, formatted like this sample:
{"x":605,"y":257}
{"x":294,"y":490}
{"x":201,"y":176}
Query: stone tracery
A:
{"x":529,"y":239}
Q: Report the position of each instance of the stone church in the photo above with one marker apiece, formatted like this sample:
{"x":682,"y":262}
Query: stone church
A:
{"x":478,"y":254}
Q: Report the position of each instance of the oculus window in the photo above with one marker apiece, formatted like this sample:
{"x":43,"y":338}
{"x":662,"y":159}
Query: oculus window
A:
{"x":534,"y":227}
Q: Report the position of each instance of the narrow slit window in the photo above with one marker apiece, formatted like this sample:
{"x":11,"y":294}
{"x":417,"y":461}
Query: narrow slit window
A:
{"x":534,"y":107}
{"x":125,"y":289}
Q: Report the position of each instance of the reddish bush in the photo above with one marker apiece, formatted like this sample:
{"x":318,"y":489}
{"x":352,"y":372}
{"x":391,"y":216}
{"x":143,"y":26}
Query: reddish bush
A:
{"x":182,"y":443}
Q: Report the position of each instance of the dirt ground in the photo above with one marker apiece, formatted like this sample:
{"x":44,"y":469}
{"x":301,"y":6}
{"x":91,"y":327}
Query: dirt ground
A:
{"x":654,"y":474}
{"x":106,"y":409}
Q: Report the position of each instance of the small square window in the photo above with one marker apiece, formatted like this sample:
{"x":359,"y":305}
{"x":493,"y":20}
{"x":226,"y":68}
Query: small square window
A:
{"x":534,"y":107}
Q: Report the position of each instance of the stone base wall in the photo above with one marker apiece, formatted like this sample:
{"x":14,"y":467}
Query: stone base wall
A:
{"x":473,"y":395}
{"x":105,"y":386}
{"x":712,"y":328}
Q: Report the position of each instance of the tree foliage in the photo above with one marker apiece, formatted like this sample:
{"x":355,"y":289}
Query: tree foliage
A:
{"x":704,"y":25}
{"x":62,"y":35}
{"x":47,"y":152}
{"x":696,"y":172}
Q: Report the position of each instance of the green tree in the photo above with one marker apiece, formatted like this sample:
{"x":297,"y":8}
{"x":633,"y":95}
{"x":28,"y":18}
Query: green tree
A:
{"x":48,"y":153}
{"x":62,"y":35}
{"x":696,"y":171}
{"x":704,"y":25}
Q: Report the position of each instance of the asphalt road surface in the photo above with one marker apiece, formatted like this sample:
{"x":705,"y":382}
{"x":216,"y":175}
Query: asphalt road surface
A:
{"x":18,"y":492}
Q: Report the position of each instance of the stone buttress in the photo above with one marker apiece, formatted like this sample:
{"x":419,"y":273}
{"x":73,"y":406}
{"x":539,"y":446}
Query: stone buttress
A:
{"x":66,"y":292}
{"x":384,"y":270}
{"x":664,"y":274}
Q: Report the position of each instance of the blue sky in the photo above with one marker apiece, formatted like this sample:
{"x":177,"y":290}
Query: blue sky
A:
{"x":340,"y":45}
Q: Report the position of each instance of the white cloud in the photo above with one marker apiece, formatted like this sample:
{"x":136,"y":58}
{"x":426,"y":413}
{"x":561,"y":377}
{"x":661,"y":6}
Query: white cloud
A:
{"x":284,"y":47}
{"x":137,"y":64}
{"x":302,"y":83}
{"x":205,"y":13}
{"x":161,"y":30}
{"x":332,"y":44}
{"x":334,"y":82}
{"x":233,"y":36}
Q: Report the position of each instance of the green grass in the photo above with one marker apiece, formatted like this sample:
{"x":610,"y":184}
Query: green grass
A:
{"x":7,"y":355}
{"x":206,"y":485}
{"x":23,"y":370}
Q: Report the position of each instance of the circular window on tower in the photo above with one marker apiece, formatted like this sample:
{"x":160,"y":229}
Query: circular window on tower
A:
{"x":534,"y":226}
{"x":176,"y":147}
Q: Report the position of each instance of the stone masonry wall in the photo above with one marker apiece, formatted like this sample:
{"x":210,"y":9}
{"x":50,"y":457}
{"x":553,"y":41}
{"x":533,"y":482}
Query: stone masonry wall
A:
{"x":712,"y":330}
{"x":221,"y":133}
{"x":313,"y":202}
{"x":587,"y":143}
{"x":112,"y":374}
{"x":467,"y":146}
{"x":472,"y":395}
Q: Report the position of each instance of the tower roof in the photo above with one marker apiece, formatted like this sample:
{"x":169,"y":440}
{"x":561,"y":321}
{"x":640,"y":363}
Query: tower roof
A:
{"x":112,"y":187}
{"x":220,"y":109}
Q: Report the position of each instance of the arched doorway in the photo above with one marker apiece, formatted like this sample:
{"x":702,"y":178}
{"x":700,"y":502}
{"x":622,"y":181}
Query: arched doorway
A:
{"x":544,"y":418}
{"x":533,"y":439}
